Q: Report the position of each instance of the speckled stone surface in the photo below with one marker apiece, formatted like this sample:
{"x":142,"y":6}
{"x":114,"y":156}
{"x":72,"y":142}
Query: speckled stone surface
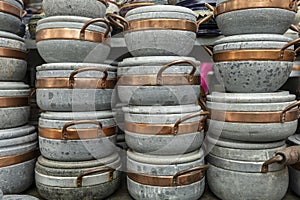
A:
{"x":9,"y":23}
{"x":19,"y":197}
{"x":294,"y":180}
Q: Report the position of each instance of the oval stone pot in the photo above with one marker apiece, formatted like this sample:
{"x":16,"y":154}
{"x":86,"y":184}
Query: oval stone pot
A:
{"x":12,"y":57}
{"x":77,"y":136}
{"x":18,"y":154}
{"x":10,"y":15}
{"x":237,"y":172}
{"x":162,"y":80}
{"x":161,"y":130}
{"x":263,"y":16}
{"x":96,"y":179}
{"x":89,"y":8}
{"x":75,"y":86}
{"x":15,"y":108}
{"x":257,"y":117}
{"x":253,"y":63}
{"x":76,"y":39}
{"x":160,"y":177}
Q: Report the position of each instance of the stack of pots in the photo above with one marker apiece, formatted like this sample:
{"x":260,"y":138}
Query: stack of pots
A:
{"x":159,"y":89}
{"x":77,"y":131}
{"x":249,"y":123}
{"x":18,"y":141}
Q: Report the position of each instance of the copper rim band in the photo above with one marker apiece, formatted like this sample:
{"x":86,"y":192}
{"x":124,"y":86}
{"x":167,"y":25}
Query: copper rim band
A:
{"x":79,"y":83}
{"x":296,"y":166}
{"x":20,"y":158}
{"x":6,"y":102}
{"x":162,"y":24}
{"x":77,"y":134}
{"x":159,"y":129}
{"x":296,"y":68}
{"x":69,"y":34}
{"x":253,"y":117}
{"x":234,"y":5}
{"x":151,"y":80}
{"x":12,"y":53}
{"x":10,"y":9}
{"x":254,"y":54}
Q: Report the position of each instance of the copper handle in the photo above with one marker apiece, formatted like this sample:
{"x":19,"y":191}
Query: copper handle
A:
{"x":295,"y":28}
{"x":210,"y":7}
{"x":291,"y":155}
{"x":208,"y":49}
{"x":275,"y":159}
{"x":298,"y":3}
{"x":32,"y":93}
{"x":202,"y":168}
{"x":283,"y":113}
{"x":67,"y":125}
{"x":102,"y":170}
{"x":75,"y":72}
{"x":297,"y":50}
{"x":288,"y":45}
{"x":294,"y":5}
{"x":201,"y":124}
{"x":24,"y":13}
{"x":205,"y":19}
{"x":104,"y":2}
{"x":82,"y":31}
{"x":113,"y":19}
{"x":159,"y":79}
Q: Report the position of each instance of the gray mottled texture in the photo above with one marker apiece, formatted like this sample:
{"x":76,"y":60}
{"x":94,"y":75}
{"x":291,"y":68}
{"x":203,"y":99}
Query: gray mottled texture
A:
{"x":19,"y":197}
{"x":15,"y":150}
{"x":17,"y":3}
{"x":18,"y":141}
{"x":14,"y":88}
{"x":9,"y":23}
{"x":17,"y":178}
{"x":294,"y":180}
{"x":162,"y":14}
{"x":13,"y":117}
{"x":12,"y":69}
{"x":88,"y":8}
{"x":11,"y":40}
{"x":16,"y":132}
{"x":160,"y":9}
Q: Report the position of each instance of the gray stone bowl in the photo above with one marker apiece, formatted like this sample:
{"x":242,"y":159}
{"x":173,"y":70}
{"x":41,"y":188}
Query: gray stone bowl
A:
{"x":157,"y":95}
{"x":11,"y":23}
{"x":12,"y":69}
{"x":160,"y":42}
{"x":164,"y":166}
{"x":65,"y":99}
{"x":14,"y":116}
{"x":261,"y":20}
{"x":76,"y":150}
{"x":252,"y":76}
{"x":253,"y":132}
{"x":57,"y":180}
{"x":162,"y":144}
{"x":63,"y":50}
{"x":88,"y":8}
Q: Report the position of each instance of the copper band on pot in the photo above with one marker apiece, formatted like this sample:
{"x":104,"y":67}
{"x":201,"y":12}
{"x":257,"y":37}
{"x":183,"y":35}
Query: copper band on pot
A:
{"x":12,"y":53}
{"x":6,"y":102}
{"x":10,"y":9}
{"x":234,"y":5}
{"x":79,"y":83}
{"x":255,"y":54}
{"x":151,"y":80}
{"x":161,"y":24}
{"x":296,"y":68}
{"x":20,"y":158}
{"x":77,"y":134}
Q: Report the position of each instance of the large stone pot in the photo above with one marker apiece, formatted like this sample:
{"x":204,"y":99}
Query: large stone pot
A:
{"x":11,"y":13}
{"x":256,"y":117}
{"x":159,"y":80}
{"x":178,"y":177}
{"x":73,"y":39}
{"x":75,"y":86}
{"x":12,"y":57}
{"x":96,"y":179}
{"x":18,"y":152}
{"x":164,"y":130}
{"x":77,"y":136}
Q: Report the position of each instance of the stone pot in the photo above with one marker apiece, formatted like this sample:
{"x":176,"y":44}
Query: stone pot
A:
{"x":256,"y":117}
{"x":96,"y":179}
{"x":75,"y":86}
{"x":14,"y":109}
{"x":159,"y":80}
{"x":164,"y":130}
{"x":73,"y":39}
{"x":13,"y":57}
{"x":18,"y":154}
{"x":253,"y":63}
{"x":11,"y":14}
{"x":159,"y":30}
{"x":162,"y":177}
{"x":88,"y":8}
{"x":239,"y":170}
{"x":77,"y":136}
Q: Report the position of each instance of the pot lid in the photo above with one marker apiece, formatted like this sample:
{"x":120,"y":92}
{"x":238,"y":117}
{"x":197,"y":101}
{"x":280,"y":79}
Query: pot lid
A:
{"x":77,"y":115}
{"x":4,"y":34}
{"x":13,"y":86}
{"x":16,"y":132}
{"x":72,"y":66}
{"x":162,"y":109}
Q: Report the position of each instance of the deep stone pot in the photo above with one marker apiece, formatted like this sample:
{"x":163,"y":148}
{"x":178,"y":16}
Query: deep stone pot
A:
{"x":76,"y":39}
{"x":91,"y":89}
{"x":79,"y":136}
{"x":138,"y":79}
{"x":143,"y":166}
{"x":235,"y":171}
{"x":10,"y":15}
{"x":256,"y":117}
{"x":95,"y":179}
{"x":18,"y":154}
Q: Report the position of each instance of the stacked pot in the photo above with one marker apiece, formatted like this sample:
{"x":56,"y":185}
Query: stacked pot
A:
{"x":250,"y":122}
{"x":77,"y":131}
{"x":18,"y":141}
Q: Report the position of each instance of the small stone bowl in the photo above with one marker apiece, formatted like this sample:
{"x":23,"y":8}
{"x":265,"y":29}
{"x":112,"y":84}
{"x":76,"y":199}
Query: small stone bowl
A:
{"x":11,"y":18}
